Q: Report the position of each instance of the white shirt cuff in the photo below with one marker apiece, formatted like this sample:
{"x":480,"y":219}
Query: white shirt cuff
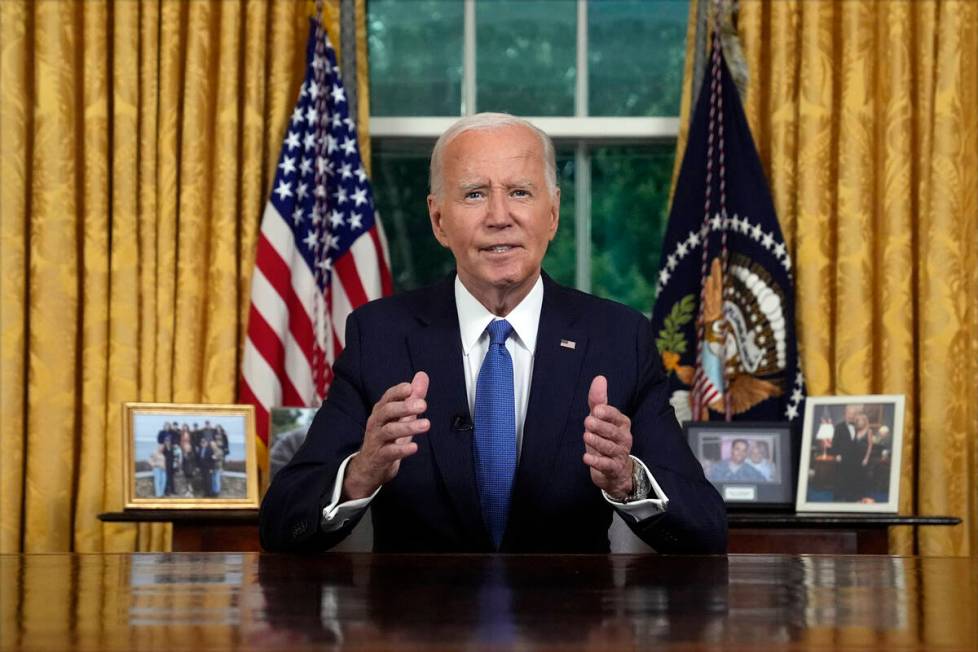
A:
{"x":337,"y":514}
{"x":642,"y":509}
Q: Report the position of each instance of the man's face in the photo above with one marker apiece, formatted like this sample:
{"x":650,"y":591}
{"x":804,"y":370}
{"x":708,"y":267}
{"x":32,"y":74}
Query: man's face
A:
{"x":757,"y":454}
{"x":495,"y":210}
{"x":738,"y":452}
{"x":851,"y":412}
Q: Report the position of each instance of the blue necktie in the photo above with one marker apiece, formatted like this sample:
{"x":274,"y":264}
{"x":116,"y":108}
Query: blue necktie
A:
{"x":495,"y":431}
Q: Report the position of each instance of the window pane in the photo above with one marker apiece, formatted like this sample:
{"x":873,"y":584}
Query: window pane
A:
{"x":525,"y":61}
{"x":415,"y":57}
{"x":645,"y":76}
{"x":629,"y":207}
{"x":561,"y":259}
{"x":400,"y":182}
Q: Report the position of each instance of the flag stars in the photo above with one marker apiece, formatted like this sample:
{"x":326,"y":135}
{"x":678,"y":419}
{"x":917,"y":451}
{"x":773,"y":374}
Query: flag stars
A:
{"x":317,"y":218}
{"x":664,"y":276}
{"x":305,"y":166}
{"x":716,"y":223}
{"x":320,"y":191}
{"x":298,"y":215}
{"x":360,"y":196}
{"x":326,"y":264}
{"x":681,"y":249}
{"x":768,"y":241}
{"x":356,"y":221}
{"x":350,"y":125}
{"x":779,"y":250}
{"x":757,"y":232}
{"x":360,"y":174}
{"x":338,"y":94}
{"x":311,"y":240}
{"x":791,"y":412}
{"x":301,"y":190}
{"x":297,"y":115}
{"x":312,"y":115}
{"x":336,"y":219}
{"x":346,"y":171}
{"x":336,"y":122}
{"x":314,"y":90}
{"x":283,"y":190}
{"x":330,"y":144}
{"x":292,"y":140}
{"x":349,"y":146}
{"x":671,"y":262}
{"x":310,"y":140}
{"x":287,"y":166}
{"x":340,"y":195}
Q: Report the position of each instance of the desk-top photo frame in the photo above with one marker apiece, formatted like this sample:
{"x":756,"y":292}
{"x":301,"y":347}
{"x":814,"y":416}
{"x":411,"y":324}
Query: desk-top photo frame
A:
{"x":851,"y":454}
{"x":189,"y":456}
{"x":751,"y":464}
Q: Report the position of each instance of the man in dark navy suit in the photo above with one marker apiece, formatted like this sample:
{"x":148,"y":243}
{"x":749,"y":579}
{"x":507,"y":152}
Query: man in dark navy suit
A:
{"x":498,"y":410}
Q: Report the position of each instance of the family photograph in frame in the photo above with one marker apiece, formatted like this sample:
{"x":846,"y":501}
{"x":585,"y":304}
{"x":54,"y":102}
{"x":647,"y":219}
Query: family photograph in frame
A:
{"x":189,"y":456}
{"x":851,"y":452}
{"x":750,"y":464}
{"x":288,"y":427}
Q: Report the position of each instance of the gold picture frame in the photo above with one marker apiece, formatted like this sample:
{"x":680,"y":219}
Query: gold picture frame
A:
{"x":189,"y":456}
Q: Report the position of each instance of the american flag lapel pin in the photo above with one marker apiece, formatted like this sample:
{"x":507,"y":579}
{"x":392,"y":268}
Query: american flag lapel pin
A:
{"x":568,"y":344}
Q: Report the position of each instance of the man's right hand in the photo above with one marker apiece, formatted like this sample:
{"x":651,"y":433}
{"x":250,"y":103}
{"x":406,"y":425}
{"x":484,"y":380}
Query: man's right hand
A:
{"x":388,"y":438}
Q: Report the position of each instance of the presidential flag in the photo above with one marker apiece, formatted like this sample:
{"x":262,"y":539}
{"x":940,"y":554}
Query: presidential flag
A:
{"x":724,"y":316}
{"x":321,"y":251}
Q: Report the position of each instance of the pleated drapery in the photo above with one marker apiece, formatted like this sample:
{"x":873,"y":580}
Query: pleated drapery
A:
{"x":138,"y":143}
{"x":864,"y":114}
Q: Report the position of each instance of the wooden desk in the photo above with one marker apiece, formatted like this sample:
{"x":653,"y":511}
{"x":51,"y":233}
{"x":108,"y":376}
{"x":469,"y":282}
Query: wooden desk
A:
{"x":252,"y":601}
{"x":202,"y":531}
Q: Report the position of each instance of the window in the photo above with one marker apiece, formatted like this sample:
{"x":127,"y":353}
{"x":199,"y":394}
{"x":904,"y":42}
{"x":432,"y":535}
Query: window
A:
{"x":602,"y":77}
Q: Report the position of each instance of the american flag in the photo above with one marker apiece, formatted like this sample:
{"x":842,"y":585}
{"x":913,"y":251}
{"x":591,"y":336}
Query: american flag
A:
{"x":321,"y":250}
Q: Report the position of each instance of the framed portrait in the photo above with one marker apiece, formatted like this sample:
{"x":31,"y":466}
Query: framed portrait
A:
{"x":189,"y":456}
{"x":750,"y":464}
{"x":287,"y":431}
{"x":850,"y":454}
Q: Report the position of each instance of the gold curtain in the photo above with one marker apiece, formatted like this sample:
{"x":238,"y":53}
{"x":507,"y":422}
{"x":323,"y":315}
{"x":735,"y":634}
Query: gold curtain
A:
{"x":864,"y":114}
{"x":138,"y":143}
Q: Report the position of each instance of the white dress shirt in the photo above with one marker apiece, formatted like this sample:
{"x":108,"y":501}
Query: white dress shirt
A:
{"x":473,"y":320}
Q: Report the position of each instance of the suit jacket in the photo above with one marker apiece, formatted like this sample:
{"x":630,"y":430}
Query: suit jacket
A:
{"x":433,"y":502}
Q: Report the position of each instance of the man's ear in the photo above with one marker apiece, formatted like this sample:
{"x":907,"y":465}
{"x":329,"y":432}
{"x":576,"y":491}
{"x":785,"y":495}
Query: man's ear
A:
{"x":434,"y":214}
{"x":555,"y":214}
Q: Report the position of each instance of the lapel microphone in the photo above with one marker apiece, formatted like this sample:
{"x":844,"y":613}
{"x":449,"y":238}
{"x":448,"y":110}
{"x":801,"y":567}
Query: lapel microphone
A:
{"x":461,"y":423}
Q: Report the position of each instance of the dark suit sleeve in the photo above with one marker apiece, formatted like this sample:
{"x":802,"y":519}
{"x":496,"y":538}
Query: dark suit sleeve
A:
{"x":695,"y":520}
{"x":291,"y":511}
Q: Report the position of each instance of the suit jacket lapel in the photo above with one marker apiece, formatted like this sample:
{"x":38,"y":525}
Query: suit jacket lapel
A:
{"x":437,"y":350}
{"x":556,"y":378}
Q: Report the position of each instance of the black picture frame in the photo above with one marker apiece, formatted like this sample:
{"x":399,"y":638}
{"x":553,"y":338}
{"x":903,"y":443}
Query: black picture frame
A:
{"x":752,"y":484}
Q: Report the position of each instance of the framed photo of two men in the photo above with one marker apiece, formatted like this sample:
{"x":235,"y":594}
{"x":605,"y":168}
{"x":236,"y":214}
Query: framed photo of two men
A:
{"x":850,"y":455}
{"x":750,"y":464}
{"x":189,"y":456}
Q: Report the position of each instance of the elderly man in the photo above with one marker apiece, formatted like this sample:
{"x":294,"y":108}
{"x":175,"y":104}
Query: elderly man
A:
{"x":495,"y":411}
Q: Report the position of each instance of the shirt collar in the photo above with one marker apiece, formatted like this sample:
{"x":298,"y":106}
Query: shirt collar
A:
{"x":473,"y":317}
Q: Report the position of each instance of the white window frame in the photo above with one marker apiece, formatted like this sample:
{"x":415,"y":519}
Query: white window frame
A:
{"x":581,"y":130}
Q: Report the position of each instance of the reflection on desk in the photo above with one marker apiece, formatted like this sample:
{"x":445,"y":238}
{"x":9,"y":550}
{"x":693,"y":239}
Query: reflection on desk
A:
{"x":265,"y":602}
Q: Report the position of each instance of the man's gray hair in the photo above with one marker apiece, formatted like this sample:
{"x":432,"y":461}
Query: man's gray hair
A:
{"x":488,"y":121}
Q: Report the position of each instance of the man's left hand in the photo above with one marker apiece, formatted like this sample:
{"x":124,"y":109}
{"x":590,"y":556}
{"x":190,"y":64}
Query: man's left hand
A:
{"x":608,"y":443}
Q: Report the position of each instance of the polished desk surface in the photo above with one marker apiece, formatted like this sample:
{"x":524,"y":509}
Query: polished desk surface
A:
{"x":603,"y":602}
